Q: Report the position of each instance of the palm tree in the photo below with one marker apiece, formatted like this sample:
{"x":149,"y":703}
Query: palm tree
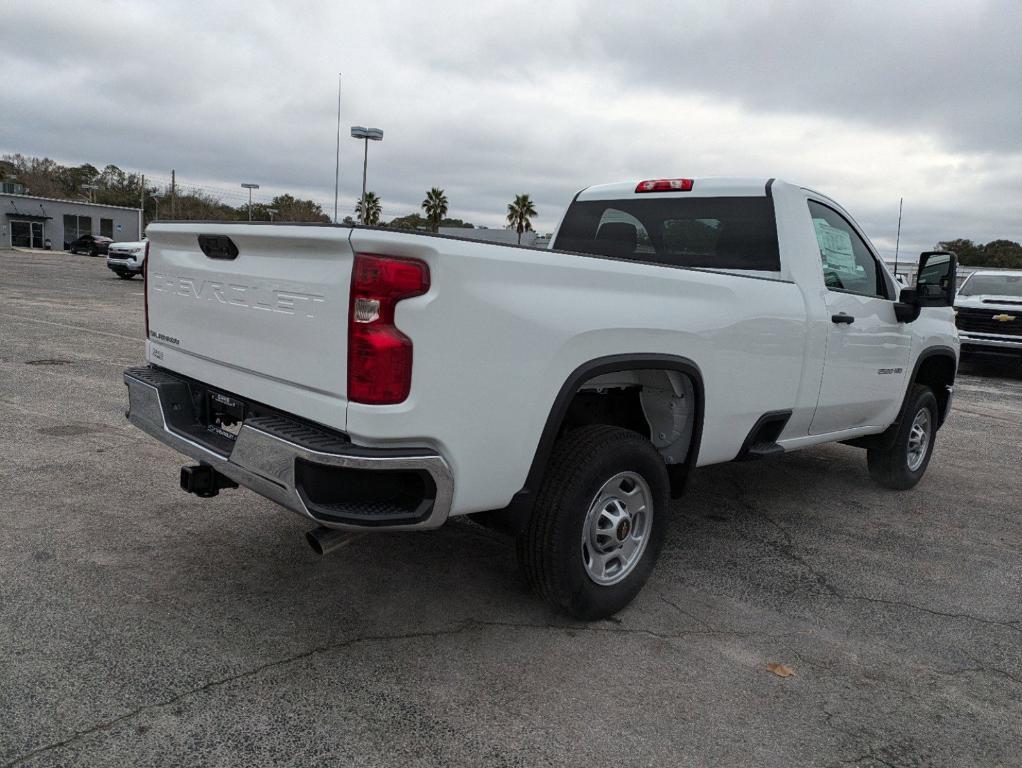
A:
{"x":519,"y":215}
{"x":435,"y":206}
{"x":373,"y":209}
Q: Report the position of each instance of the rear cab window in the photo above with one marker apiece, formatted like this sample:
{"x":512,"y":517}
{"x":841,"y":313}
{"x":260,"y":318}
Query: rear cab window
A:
{"x":733,"y":233}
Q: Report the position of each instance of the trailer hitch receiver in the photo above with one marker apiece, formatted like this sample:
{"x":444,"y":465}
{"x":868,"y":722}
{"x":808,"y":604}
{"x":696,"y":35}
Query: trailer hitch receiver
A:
{"x":204,"y":481}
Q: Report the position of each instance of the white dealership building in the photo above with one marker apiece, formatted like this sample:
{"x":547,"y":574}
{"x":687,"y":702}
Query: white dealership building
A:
{"x":29,"y":222}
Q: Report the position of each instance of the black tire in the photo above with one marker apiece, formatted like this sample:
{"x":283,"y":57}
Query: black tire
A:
{"x":891,"y":467}
{"x":94,"y":252}
{"x":125,"y":275}
{"x":550,"y":549}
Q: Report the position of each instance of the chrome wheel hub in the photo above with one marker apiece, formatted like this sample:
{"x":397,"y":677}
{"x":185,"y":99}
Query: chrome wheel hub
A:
{"x":616,"y":528}
{"x":919,"y":439}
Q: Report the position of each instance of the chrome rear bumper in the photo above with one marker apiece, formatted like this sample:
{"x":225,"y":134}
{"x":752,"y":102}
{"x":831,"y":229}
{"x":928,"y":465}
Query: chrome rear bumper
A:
{"x":264,"y":455}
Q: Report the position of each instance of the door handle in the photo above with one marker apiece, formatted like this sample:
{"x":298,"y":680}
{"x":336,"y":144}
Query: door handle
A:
{"x":842,"y":318}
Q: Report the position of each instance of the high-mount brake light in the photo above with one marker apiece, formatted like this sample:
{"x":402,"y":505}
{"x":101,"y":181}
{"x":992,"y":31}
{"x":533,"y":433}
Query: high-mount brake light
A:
{"x":665,"y":185}
{"x":145,"y":286}
{"x":379,"y":355}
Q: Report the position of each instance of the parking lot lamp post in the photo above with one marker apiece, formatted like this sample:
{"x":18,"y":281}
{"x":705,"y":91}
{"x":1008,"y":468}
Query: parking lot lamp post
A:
{"x":367,"y":135}
{"x":272,"y":212}
{"x":250,"y":187}
{"x":90,"y":188}
{"x":156,"y":199}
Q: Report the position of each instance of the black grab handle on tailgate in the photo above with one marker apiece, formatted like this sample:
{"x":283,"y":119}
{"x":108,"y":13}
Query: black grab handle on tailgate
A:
{"x":218,"y":246}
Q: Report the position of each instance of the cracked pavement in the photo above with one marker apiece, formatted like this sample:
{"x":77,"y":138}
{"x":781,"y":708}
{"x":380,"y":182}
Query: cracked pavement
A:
{"x":142,"y":626}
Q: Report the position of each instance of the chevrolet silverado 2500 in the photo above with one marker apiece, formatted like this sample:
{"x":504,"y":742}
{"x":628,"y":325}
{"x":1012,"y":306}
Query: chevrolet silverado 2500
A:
{"x":373,"y":380}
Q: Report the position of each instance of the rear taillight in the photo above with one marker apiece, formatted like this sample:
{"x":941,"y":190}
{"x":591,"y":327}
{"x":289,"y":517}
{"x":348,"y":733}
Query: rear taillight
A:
{"x":145,"y":286}
{"x":379,"y":355}
{"x":665,"y":185}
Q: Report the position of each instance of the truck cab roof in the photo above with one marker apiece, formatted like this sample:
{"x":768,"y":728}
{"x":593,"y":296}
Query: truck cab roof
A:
{"x":708,"y":186}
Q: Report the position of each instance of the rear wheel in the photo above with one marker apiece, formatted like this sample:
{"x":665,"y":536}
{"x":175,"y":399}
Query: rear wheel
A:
{"x":599,"y":522}
{"x":903,"y":464}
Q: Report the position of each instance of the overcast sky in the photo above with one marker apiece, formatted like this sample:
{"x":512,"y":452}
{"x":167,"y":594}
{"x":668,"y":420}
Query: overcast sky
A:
{"x":865,"y":101}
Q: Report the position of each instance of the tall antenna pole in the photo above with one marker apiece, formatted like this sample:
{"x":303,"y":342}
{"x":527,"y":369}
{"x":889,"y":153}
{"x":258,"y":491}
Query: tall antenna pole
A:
{"x":897,"y":242}
{"x":337,"y":157}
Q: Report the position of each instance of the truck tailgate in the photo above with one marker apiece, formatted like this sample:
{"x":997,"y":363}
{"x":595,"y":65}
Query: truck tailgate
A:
{"x":271,"y":319}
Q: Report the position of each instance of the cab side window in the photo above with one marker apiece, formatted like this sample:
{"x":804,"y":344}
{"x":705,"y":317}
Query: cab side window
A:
{"x":847,"y":262}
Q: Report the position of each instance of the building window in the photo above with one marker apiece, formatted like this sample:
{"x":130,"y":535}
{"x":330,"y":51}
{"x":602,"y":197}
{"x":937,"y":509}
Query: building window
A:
{"x":75,"y":227}
{"x":106,"y":228}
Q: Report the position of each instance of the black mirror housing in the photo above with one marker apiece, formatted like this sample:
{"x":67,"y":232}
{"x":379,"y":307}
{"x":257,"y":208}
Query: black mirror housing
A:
{"x":906,"y":308}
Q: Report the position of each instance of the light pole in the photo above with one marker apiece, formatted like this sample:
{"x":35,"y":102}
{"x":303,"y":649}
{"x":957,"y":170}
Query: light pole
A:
{"x":156,"y":199}
{"x":272,"y":212}
{"x":367,"y":134}
{"x":250,"y":187}
{"x":337,"y":156}
{"x":90,"y":187}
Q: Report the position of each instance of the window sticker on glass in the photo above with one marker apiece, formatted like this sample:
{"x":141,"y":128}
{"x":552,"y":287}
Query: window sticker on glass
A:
{"x":835,"y":247}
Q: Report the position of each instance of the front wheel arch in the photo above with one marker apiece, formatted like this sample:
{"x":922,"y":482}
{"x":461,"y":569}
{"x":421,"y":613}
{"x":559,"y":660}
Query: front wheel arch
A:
{"x":935,"y":368}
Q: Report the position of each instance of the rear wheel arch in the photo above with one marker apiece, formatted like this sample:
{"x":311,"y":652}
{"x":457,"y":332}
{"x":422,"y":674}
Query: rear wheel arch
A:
{"x":521,"y":504}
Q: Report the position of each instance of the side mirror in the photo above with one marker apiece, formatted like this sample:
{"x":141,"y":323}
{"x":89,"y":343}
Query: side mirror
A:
{"x":935,"y":287}
{"x":938,"y":279}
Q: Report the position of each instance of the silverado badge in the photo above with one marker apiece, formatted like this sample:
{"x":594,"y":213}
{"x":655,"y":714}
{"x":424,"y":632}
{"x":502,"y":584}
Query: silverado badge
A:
{"x":1003,"y":318}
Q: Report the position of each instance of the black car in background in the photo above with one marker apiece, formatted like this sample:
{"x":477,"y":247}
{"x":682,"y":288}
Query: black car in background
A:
{"x":94,"y":245}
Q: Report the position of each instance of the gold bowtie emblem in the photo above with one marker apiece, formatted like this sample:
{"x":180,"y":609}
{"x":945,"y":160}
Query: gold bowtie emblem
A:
{"x":1004,"y":318}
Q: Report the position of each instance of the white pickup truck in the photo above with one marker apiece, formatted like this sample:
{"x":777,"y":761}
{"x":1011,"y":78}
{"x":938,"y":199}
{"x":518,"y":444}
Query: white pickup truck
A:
{"x":988,"y":311}
{"x":126,"y":259}
{"x":378,"y":380}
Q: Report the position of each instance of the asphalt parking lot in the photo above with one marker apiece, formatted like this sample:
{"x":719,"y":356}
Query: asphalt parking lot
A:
{"x":142,"y":626}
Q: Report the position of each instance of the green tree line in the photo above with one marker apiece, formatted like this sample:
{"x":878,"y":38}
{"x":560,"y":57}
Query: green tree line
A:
{"x":44,"y":177}
{"x":996,"y":253}
{"x":110,"y":185}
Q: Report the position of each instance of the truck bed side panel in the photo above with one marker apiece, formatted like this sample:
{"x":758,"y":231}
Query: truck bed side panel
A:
{"x":503,"y":328}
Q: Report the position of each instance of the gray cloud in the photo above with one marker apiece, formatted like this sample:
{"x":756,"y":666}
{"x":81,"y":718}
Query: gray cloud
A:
{"x":866,"y":101}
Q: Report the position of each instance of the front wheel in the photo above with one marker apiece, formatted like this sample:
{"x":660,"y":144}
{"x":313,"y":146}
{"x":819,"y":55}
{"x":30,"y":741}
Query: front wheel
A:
{"x":126,"y":275}
{"x":599,"y":522}
{"x":903,"y":464}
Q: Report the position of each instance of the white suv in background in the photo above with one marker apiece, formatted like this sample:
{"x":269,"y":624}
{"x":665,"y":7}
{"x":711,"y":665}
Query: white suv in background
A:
{"x":127,"y":259}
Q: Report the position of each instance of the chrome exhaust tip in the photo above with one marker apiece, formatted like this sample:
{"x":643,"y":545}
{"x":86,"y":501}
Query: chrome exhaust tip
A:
{"x":325,"y":540}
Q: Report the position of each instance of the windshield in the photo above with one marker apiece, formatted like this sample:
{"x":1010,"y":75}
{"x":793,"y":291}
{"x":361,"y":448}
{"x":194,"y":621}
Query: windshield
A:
{"x":993,"y":285}
{"x":722,"y":232}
